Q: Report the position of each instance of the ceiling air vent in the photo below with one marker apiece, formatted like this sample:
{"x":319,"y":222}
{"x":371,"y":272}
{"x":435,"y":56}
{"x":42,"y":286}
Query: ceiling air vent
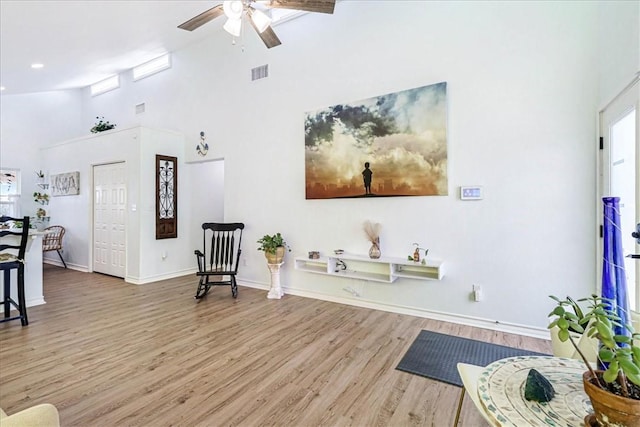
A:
{"x":260,"y":72}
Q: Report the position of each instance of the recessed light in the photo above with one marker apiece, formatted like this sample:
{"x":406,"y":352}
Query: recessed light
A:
{"x":2,"y":88}
{"x":37,"y":65}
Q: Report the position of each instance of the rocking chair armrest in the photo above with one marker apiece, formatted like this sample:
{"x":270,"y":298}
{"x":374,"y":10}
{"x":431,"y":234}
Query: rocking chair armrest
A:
{"x":199,"y":258}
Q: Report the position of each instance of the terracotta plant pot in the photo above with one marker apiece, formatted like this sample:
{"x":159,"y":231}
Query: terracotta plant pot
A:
{"x":611,"y":409}
{"x":277,"y":257}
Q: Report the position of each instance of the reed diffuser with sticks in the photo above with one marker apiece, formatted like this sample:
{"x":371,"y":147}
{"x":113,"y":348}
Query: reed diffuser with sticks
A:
{"x":372,"y":230}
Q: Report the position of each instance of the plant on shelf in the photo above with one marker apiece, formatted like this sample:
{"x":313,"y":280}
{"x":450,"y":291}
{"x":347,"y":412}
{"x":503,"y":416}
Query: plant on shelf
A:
{"x":101,"y":125}
{"x":274,"y":247}
{"x":42,"y":198}
{"x":619,"y":383}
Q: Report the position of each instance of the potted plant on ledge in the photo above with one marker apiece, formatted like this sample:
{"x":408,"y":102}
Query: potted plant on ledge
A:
{"x":615,"y":391}
{"x":274,"y":248}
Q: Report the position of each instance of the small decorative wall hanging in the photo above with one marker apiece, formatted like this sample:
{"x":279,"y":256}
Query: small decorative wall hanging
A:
{"x":65,"y":184}
{"x":389,"y":145}
{"x":202,"y":148}
{"x":166,"y":197}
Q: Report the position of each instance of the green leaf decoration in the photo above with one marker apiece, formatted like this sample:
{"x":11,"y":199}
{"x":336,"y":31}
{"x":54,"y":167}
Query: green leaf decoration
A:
{"x":605,"y":355}
{"x":622,"y":339}
{"x":563,"y":323}
{"x":563,"y":335}
{"x":634,"y":379}
{"x":628,"y":367}
{"x":611,"y":373}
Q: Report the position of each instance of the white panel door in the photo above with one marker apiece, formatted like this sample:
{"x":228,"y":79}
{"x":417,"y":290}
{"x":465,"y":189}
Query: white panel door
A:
{"x":109,"y":228}
{"x":620,"y":124}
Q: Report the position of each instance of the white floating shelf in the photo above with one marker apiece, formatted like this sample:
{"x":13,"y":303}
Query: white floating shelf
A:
{"x":362,"y":267}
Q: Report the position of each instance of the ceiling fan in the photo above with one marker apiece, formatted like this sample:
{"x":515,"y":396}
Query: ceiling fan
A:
{"x":259,"y":20}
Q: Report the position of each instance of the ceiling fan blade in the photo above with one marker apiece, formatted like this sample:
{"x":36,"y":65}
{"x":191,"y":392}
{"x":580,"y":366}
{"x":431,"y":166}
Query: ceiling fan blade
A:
{"x":268,"y":36}
{"x":202,"y":19}
{"x":321,"y":6}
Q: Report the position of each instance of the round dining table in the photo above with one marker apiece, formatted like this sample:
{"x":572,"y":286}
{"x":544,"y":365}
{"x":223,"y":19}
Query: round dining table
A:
{"x":501,"y":389}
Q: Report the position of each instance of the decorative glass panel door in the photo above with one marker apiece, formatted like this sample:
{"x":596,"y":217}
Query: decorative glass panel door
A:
{"x":166,"y":197}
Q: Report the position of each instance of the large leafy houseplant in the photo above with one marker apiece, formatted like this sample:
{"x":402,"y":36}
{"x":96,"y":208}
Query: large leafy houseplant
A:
{"x":269,"y":243}
{"x":274,"y":247}
{"x":621,"y":353}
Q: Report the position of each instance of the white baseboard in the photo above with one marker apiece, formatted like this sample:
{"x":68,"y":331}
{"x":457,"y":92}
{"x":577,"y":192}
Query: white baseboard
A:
{"x":478,"y":322}
{"x":70,"y":265}
{"x":158,"y":277}
{"x":33,"y":301}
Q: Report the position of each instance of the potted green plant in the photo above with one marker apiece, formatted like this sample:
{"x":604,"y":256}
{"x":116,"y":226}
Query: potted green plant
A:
{"x":615,"y":391}
{"x":42,"y":198}
{"x":102,"y":125}
{"x":274,"y":247}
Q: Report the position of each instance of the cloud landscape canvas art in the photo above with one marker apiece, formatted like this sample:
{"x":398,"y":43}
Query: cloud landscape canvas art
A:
{"x":389,"y":145}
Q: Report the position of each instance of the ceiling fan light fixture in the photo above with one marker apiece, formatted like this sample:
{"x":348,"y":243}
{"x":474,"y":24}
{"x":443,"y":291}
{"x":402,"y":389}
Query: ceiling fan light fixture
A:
{"x":260,"y":20}
{"x":233,"y":9}
{"x":233,"y":26}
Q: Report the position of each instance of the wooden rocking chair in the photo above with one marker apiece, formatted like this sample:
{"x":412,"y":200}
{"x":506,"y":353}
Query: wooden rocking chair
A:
{"x":219,"y":257}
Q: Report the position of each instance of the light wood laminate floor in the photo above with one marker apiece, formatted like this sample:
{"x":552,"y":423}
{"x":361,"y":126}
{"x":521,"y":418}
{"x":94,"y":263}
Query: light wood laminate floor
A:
{"x":108,"y":353}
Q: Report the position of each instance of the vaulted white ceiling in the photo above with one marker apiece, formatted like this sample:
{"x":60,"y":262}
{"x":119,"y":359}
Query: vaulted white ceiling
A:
{"x":82,"y":42}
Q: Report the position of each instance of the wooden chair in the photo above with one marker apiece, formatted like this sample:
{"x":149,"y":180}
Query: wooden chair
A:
{"x":13,"y":246}
{"x":219,"y":257}
{"x":52,"y":240}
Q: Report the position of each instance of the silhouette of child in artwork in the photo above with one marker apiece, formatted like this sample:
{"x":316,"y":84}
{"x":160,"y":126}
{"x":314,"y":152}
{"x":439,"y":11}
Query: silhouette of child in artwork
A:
{"x":366,"y":175}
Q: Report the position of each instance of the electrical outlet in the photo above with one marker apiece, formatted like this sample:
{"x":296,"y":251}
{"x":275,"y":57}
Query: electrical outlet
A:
{"x":477,"y":293}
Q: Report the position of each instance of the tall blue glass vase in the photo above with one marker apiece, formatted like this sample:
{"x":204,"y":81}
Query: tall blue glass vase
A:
{"x":614,"y":282}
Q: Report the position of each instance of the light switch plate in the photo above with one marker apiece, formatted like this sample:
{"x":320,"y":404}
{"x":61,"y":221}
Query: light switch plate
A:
{"x":472,"y":192}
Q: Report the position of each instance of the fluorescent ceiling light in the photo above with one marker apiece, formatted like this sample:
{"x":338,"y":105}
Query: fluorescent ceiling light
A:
{"x":37,"y":65}
{"x":105,"y":85}
{"x":154,"y":66}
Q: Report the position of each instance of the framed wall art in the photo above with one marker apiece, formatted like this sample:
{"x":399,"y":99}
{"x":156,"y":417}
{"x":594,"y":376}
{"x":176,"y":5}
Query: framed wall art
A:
{"x":65,"y":184}
{"x":389,"y":145}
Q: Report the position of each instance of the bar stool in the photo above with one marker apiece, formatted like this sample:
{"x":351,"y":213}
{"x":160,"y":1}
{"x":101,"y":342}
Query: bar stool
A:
{"x":12,"y":258}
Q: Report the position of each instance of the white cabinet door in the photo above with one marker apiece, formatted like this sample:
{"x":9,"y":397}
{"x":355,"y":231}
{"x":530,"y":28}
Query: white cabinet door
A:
{"x":109,"y":225}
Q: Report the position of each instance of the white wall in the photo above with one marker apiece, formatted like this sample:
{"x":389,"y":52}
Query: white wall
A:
{"x":31,"y":121}
{"x":618,"y":46}
{"x":523,"y":88}
{"x":137,"y":148}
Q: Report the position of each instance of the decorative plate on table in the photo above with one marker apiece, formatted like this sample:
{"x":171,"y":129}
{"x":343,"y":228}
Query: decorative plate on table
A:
{"x":501,"y":391}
